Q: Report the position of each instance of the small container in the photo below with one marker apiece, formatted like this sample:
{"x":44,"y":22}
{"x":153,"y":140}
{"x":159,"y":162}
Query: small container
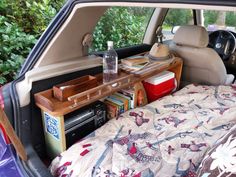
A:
{"x":159,"y":85}
{"x":67,"y":89}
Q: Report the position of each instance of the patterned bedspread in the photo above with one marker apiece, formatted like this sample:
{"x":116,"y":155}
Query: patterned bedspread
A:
{"x":168,"y":137}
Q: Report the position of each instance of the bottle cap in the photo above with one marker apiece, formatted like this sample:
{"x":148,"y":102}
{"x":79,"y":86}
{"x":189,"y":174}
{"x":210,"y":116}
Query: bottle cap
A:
{"x":110,"y":43}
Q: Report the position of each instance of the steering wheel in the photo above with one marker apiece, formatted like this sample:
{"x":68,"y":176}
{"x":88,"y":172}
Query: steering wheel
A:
{"x":223,"y":42}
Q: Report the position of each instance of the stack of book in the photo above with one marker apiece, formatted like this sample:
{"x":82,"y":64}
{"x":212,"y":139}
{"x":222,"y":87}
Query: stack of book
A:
{"x":134,"y":63}
{"x":140,"y":64}
{"x":120,"y":102}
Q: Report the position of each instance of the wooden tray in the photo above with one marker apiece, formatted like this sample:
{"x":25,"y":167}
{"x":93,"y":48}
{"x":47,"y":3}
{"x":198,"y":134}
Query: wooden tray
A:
{"x":72,"y":87}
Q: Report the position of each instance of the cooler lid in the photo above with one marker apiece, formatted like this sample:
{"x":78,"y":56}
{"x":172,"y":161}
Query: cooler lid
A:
{"x":161,"y":77}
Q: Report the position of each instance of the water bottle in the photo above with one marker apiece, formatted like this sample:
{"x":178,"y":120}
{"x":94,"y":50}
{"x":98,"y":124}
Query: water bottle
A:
{"x":110,"y":63}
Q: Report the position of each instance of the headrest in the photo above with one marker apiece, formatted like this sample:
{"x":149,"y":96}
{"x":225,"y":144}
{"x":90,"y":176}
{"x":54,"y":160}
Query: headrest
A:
{"x":194,"y":36}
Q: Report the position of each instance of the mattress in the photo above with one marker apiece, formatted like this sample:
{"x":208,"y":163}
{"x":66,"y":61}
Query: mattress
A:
{"x":168,"y":137}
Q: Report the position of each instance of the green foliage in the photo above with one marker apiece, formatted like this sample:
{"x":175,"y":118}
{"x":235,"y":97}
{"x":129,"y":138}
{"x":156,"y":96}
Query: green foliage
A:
{"x":32,"y":16}
{"x":231,"y":19}
{"x":15,"y":46}
{"x":176,"y":17}
{"x":21,"y":24}
{"x":123,"y":25}
{"x":57,"y":4}
{"x":210,"y":17}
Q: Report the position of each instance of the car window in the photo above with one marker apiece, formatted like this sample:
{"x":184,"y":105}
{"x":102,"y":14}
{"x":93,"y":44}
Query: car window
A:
{"x":175,"y":18}
{"x":125,"y":26}
{"x":216,"y":20}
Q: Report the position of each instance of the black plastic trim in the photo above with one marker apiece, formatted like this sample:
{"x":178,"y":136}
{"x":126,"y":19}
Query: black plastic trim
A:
{"x":8,"y":102}
{"x":194,"y":17}
{"x":128,"y":51}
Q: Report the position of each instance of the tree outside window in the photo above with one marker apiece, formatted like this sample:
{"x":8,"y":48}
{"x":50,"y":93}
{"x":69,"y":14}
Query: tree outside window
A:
{"x":215,"y":20}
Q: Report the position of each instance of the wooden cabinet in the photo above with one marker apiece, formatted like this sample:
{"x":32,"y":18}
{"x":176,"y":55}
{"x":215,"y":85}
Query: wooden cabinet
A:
{"x":54,"y":110}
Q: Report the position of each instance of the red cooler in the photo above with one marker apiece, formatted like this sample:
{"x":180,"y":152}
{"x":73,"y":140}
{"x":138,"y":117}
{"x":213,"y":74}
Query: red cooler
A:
{"x":159,"y":85}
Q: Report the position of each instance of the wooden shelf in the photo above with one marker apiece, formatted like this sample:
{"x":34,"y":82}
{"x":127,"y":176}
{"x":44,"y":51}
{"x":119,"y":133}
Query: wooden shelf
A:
{"x":46,"y":101}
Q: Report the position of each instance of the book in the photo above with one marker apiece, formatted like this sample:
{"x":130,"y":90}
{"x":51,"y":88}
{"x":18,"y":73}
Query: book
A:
{"x":112,"y":109}
{"x":123,"y":100}
{"x":137,"y":95}
{"x":134,"y":60}
{"x":134,"y":67}
{"x":124,"y":97}
{"x":117,"y":101}
{"x":119,"y":104}
{"x":153,"y":66}
{"x":131,"y":94}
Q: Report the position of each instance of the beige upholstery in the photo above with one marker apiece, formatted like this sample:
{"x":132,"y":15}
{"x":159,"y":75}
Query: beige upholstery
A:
{"x":202,"y":65}
{"x":194,"y":36}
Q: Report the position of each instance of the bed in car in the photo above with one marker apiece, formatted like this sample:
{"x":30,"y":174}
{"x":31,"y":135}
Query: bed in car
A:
{"x":168,"y":137}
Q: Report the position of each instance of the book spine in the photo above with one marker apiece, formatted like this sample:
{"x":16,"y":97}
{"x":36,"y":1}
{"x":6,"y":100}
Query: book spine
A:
{"x":130,"y":95}
{"x":123,"y":100}
{"x":119,"y":104}
{"x":112,"y":110}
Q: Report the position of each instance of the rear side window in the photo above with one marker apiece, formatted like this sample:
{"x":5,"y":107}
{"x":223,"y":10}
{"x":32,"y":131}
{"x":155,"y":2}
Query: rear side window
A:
{"x":125,"y":26}
{"x":175,"y":18}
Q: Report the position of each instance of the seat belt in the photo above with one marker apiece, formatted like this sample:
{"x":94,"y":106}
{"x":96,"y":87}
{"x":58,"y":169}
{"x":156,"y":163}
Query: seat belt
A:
{"x":159,"y":34}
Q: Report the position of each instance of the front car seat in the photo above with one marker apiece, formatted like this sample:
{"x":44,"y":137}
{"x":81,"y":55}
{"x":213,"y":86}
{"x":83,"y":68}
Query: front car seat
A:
{"x":202,"y":65}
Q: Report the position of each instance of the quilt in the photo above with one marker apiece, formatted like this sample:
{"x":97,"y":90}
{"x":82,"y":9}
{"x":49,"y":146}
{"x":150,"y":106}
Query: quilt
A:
{"x":165,"y":138}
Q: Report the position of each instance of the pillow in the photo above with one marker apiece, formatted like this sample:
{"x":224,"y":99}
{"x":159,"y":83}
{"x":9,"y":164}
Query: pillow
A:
{"x":220,"y":160}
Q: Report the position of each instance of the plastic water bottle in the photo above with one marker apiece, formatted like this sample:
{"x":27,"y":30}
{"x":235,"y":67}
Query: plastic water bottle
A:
{"x":110,"y":63}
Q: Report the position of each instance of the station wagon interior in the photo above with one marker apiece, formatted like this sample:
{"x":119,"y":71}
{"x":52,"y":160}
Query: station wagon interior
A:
{"x":174,"y":117}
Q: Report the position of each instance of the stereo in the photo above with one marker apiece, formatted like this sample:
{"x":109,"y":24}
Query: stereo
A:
{"x":84,"y":121}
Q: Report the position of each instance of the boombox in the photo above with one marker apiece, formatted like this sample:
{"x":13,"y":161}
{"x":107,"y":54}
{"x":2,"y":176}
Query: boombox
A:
{"x":84,"y":121}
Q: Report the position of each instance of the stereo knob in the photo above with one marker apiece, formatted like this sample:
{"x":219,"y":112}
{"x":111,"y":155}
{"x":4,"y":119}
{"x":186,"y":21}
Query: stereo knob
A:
{"x":99,"y":112}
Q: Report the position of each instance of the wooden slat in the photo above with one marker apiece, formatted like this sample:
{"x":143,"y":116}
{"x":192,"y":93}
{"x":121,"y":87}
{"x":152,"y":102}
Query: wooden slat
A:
{"x":12,"y":135}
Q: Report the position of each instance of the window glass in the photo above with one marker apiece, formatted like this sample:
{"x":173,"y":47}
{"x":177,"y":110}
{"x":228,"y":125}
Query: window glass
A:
{"x":175,"y":18}
{"x":125,"y":26}
{"x":215,"y":20}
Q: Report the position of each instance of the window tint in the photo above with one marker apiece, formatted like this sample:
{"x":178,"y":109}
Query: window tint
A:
{"x":125,"y":26}
{"x":176,"y":17}
{"x":214,"y":20}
